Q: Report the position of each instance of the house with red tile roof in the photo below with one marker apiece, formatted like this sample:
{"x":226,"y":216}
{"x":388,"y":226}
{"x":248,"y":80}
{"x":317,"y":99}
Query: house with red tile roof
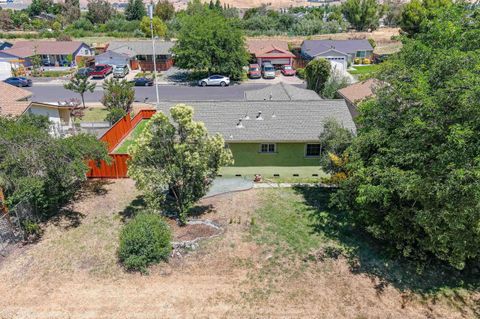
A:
{"x":52,"y":53}
{"x":274,"y":51}
{"x":14,"y":101}
{"x":358,"y":92}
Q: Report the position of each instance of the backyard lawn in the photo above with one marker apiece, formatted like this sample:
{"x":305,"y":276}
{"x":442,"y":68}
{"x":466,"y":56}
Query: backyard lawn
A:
{"x":94,"y":114}
{"x":130,"y":139}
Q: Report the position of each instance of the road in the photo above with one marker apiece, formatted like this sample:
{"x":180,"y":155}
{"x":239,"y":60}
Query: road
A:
{"x":55,"y":93}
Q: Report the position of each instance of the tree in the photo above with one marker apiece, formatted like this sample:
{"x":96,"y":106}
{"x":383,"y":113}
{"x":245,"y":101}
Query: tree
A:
{"x":118,"y":96}
{"x":135,"y":10}
{"x":6,"y":22}
{"x":159,"y":27}
{"x":71,"y":10}
{"x":39,"y":171}
{"x":363,"y":15}
{"x":80,"y":84}
{"x":317,"y":73}
{"x":417,"y":12}
{"x":179,"y":157}
{"x":209,"y":42}
{"x":413,"y":169}
{"x":164,"y":10}
{"x":99,"y":11}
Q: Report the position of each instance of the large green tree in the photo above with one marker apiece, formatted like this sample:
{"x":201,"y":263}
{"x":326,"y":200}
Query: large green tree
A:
{"x":174,"y":162}
{"x":317,"y":73}
{"x":414,"y":169}
{"x":207,"y":41}
{"x":165,"y":10}
{"x":362,"y":14}
{"x":99,"y":11}
{"x":39,"y":171}
{"x":135,"y":10}
{"x":159,"y":27}
{"x":416,"y":12}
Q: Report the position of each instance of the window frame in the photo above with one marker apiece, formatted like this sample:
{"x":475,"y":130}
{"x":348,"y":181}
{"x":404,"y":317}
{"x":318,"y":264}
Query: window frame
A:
{"x":268,"y":148}
{"x":313,"y":156}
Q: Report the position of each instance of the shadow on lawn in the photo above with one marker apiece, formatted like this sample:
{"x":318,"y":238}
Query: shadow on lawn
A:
{"x":135,"y":206}
{"x":372,"y":258}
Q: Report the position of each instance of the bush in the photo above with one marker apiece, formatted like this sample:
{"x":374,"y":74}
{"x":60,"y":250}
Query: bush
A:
{"x":357,"y":61}
{"x":301,"y":73}
{"x":145,"y":240}
{"x":367,"y":61}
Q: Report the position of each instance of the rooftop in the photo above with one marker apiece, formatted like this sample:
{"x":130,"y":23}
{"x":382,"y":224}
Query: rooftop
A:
{"x":315,"y":47}
{"x":260,"y":47}
{"x":281,"y":92}
{"x":358,"y":92}
{"x":273,"y":121}
{"x":13,"y":100}
{"x":142,"y":47}
{"x":25,"y":49}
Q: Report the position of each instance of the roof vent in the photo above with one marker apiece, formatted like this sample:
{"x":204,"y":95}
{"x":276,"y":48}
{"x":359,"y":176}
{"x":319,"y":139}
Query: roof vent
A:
{"x":246,"y":116}
{"x":271,"y":96}
{"x":259,"y":116}
{"x":274,"y":115}
{"x":239,"y":124}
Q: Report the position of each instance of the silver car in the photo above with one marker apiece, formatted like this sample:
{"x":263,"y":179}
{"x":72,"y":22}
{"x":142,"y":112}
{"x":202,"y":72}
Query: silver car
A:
{"x":268,"y":71}
{"x":120,"y":71}
{"x":215,"y":80}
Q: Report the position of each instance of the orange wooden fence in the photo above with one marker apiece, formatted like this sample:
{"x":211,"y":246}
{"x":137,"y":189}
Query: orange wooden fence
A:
{"x":113,"y":137}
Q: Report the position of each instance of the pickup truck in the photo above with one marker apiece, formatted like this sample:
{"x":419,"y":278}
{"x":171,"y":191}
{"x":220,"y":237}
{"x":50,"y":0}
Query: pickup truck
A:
{"x":101,"y":71}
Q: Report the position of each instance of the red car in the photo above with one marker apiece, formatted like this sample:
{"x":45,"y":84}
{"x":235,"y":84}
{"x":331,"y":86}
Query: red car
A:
{"x":254,"y":71}
{"x":101,"y":71}
{"x":288,"y":70}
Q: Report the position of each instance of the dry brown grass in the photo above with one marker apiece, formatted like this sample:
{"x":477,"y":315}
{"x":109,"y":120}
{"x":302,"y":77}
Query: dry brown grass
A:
{"x":73,"y":273}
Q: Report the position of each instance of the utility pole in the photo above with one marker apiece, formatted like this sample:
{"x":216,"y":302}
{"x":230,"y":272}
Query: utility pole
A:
{"x":150,"y":14}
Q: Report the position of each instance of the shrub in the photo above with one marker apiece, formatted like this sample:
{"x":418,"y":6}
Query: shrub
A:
{"x":301,"y":73}
{"x":367,"y":61}
{"x":357,"y":61}
{"x":145,"y":240}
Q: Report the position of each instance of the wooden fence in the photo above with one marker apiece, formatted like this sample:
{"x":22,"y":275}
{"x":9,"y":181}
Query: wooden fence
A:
{"x":113,"y":137}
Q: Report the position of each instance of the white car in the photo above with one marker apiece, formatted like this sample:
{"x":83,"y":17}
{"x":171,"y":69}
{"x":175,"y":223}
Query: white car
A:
{"x":215,"y":80}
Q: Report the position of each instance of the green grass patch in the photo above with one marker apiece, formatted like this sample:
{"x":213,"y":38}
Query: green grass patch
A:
{"x":130,"y":139}
{"x":93,"y":114}
{"x":364,"y":69}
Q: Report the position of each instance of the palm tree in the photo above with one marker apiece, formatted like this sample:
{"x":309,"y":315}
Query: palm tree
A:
{"x":80,"y":84}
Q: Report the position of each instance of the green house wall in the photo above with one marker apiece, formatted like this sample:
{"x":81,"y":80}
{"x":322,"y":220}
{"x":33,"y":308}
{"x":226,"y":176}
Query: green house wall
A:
{"x":287,"y":154}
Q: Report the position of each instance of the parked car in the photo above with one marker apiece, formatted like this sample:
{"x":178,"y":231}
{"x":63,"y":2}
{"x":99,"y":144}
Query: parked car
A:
{"x":120,"y":71}
{"x":268,"y":71}
{"x":85,"y":72}
{"x":46,"y":62}
{"x":215,"y":80}
{"x":254,"y":71}
{"x":101,"y":71}
{"x":142,"y":81}
{"x":19,"y":81}
{"x":288,"y":70}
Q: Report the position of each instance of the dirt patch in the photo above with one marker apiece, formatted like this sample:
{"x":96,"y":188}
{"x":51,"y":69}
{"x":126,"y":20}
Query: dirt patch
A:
{"x":73,"y":273}
{"x":192,"y":232}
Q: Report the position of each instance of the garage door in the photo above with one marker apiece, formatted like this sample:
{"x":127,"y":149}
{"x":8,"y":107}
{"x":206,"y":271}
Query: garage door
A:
{"x":338,"y":63}
{"x":5,"y":70}
{"x":280,"y":61}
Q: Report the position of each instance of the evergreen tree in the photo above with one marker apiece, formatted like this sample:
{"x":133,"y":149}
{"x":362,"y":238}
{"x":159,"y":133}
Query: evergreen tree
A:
{"x":135,"y":10}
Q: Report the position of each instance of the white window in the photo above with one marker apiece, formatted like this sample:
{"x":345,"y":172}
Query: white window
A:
{"x":267,"y":148}
{"x":312,"y":150}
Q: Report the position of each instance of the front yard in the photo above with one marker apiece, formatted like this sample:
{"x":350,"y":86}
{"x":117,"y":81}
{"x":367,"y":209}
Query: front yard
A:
{"x":283,"y":253}
{"x":363,"y":69}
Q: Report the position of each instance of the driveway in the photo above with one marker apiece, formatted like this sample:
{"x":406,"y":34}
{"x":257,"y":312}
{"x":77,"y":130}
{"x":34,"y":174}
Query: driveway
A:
{"x":294,"y":80}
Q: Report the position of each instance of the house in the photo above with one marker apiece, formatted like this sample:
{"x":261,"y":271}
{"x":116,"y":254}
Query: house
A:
{"x":140,"y":53}
{"x":5,"y":45}
{"x":274,"y":51}
{"x":339,"y":52}
{"x":357,"y":92}
{"x":120,"y":57}
{"x":15,"y":101}
{"x":52,"y":53}
{"x":270,"y":133}
{"x":281,"y":92}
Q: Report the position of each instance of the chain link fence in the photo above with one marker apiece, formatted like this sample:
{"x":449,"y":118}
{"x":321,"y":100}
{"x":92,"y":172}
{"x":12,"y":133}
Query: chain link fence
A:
{"x":11,"y":230}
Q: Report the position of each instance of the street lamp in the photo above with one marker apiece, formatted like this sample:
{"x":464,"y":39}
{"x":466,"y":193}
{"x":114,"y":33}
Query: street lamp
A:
{"x":155,"y":82}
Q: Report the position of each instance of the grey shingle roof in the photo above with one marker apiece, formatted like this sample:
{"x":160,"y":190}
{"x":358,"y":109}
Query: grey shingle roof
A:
{"x":142,"y":47}
{"x":281,"y":92}
{"x":285,"y":121}
{"x":314,"y":47}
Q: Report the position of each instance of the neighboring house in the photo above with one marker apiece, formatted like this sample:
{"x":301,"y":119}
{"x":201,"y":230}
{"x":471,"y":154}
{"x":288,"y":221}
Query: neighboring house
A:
{"x":356,"y":93}
{"x":140,"y":53}
{"x":51,"y":52}
{"x":114,"y":58}
{"x":270,"y":133}
{"x":15,"y":101}
{"x":274,"y":51}
{"x":339,"y":52}
{"x":281,"y":92}
{"x":5,"y":45}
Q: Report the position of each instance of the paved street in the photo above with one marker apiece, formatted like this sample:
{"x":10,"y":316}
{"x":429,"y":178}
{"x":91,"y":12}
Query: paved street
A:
{"x":55,"y":93}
